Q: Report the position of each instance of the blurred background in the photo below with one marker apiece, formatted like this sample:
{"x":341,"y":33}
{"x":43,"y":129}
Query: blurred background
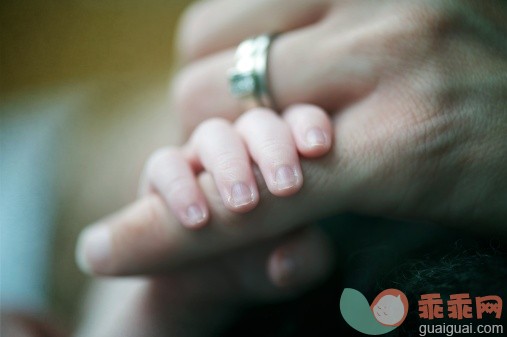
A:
{"x":55,"y":41}
{"x":83,"y":101}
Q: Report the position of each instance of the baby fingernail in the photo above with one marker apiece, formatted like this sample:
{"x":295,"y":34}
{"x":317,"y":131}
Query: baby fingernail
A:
{"x":315,"y":137}
{"x":195,"y":215}
{"x":241,"y":195}
{"x":285,"y":177}
{"x":94,"y":249}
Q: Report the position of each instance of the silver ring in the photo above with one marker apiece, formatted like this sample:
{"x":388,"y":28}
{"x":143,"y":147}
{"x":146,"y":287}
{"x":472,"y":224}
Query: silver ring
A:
{"x":248,"y":79}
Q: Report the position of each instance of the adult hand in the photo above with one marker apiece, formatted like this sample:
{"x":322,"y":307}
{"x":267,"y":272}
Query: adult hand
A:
{"x":204,"y":298}
{"x":418,"y":93}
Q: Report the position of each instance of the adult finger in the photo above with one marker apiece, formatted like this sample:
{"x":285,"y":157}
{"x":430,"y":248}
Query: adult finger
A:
{"x":268,"y":270}
{"x":301,"y":261}
{"x":344,"y":73}
{"x":208,"y":293}
{"x":146,"y":237}
{"x":206,"y":26}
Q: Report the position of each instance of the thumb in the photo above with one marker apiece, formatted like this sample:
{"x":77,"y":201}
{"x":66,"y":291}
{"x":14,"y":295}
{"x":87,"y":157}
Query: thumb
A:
{"x":145,"y":237}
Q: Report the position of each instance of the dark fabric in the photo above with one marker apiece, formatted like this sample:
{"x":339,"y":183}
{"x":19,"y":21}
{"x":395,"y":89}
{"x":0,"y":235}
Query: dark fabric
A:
{"x":449,"y":262}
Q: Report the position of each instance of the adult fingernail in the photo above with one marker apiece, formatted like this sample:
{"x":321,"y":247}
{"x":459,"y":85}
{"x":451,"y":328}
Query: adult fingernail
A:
{"x":195,"y":215}
{"x":94,"y":249}
{"x":241,"y":195}
{"x":285,"y":177}
{"x":283,"y":270}
{"x":315,"y":137}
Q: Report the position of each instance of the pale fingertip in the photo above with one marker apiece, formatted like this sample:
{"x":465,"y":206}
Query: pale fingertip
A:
{"x":195,"y":216}
{"x":314,"y":143}
{"x":241,"y":195}
{"x":93,"y":252}
{"x":287,"y":180}
{"x":316,"y":138}
{"x":311,"y":129}
{"x":242,"y":198}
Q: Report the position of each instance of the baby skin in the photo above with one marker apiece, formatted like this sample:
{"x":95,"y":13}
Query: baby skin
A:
{"x":229,"y":150}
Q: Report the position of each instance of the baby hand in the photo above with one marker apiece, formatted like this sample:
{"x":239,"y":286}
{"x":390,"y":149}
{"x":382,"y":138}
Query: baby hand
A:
{"x":227,"y":151}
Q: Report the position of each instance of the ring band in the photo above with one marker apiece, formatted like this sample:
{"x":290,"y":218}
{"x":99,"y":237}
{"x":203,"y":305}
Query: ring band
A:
{"x":248,"y":79}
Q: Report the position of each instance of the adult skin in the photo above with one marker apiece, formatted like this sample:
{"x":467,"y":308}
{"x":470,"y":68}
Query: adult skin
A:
{"x":418,"y":93}
{"x":203,"y":299}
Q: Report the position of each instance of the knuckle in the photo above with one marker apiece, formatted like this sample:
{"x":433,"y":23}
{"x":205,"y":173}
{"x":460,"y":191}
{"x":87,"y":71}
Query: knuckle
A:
{"x":211,"y":126}
{"x":178,"y":186}
{"x":191,"y":42}
{"x":159,"y":160}
{"x":308,"y":111}
{"x":186,"y":87}
{"x":274,"y":150}
{"x":159,"y":172}
{"x":257,"y":114}
{"x":431,"y":20}
{"x":275,"y":147}
{"x":252,"y":116}
{"x":192,"y":95}
{"x":227,"y":165}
